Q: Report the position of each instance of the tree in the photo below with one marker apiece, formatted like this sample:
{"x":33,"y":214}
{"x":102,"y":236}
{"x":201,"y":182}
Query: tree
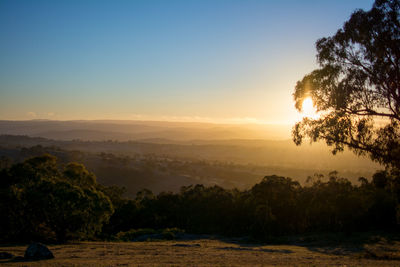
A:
{"x":275,"y":202}
{"x":79,"y":175}
{"x":38,"y":201}
{"x":356,"y":90}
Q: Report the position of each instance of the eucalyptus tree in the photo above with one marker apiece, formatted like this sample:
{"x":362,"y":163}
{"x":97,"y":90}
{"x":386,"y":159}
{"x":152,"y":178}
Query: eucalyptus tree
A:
{"x":356,"y":89}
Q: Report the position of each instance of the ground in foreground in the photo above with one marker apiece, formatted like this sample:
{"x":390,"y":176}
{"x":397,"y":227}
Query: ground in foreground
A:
{"x":208,"y":252}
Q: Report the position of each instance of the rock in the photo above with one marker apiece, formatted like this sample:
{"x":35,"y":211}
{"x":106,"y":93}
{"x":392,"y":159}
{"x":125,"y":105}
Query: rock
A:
{"x":38,"y":251}
{"x":5,"y":255}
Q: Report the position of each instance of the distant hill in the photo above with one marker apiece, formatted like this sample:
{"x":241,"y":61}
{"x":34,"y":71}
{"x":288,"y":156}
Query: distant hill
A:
{"x":137,"y":130}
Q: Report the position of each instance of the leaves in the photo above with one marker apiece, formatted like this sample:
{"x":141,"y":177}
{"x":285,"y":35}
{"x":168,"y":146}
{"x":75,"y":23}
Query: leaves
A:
{"x":357,"y":87}
{"x":41,"y":202}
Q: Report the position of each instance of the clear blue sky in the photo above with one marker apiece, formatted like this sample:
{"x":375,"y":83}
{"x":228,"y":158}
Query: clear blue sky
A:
{"x":175,"y":60}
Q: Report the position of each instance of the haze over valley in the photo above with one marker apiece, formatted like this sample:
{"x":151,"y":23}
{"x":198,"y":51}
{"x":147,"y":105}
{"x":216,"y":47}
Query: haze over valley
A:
{"x":167,"y":155}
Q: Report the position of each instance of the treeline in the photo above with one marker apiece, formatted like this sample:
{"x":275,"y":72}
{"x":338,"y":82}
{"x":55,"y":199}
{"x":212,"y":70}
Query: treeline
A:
{"x":41,"y":200}
{"x":275,"y":206}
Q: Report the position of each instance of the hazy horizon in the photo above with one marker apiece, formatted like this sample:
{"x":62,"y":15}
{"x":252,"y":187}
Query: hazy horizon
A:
{"x":179,"y":120}
{"x":136,"y":129}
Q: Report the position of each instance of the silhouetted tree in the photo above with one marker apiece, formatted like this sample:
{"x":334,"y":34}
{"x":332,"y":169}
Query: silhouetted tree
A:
{"x":38,"y":201}
{"x":275,"y":206}
{"x":357,"y":87}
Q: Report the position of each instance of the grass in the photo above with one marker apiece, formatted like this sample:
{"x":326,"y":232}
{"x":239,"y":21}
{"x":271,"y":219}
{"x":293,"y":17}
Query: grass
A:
{"x":383,"y":249}
{"x":209,"y":252}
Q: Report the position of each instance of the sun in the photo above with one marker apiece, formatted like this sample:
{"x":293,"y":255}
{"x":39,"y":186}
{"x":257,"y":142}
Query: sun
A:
{"x":307,"y":106}
{"x":308,"y":110}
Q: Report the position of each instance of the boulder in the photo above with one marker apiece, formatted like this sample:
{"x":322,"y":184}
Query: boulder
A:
{"x":38,"y":251}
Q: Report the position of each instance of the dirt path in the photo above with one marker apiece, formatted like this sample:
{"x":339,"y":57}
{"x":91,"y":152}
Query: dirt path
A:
{"x":195,"y":253}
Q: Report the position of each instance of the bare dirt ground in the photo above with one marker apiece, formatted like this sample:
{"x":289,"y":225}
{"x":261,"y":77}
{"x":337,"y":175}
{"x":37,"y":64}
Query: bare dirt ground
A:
{"x":207,"y":252}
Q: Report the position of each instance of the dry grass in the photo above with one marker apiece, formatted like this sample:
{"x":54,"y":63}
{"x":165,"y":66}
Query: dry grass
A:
{"x":383,"y":250}
{"x":203,"y":252}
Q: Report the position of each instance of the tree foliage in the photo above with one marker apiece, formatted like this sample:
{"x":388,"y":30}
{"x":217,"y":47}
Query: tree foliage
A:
{"x":40,"y":201}
{"x":276,"y":206}
{"x":356,"y":90}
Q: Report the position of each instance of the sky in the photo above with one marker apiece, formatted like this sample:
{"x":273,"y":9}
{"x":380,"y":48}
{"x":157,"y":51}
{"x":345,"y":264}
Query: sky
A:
{"x":206,"y":60}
